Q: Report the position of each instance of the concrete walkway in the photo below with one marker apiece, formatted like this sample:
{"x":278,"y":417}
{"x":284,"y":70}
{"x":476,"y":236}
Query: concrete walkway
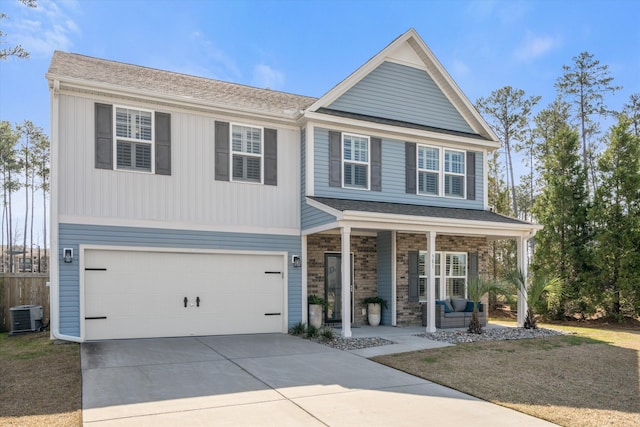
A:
{"x":265,"y":380}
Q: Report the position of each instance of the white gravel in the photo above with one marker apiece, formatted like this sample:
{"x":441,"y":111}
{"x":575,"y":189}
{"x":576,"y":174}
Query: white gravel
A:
{"x":494,"y":334}
{"x":452,"y":336}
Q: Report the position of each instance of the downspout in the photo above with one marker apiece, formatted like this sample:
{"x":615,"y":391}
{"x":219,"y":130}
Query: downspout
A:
{"x":54,"y":252}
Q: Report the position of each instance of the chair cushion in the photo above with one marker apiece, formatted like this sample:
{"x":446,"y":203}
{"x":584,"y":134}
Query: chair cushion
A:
{"x":455,"y":314}
{"x":459,"y":304}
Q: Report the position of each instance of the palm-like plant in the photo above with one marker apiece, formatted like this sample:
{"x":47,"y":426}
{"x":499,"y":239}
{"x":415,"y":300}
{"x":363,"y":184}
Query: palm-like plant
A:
{"x":478,"y":287}
{"x":535,"y":289}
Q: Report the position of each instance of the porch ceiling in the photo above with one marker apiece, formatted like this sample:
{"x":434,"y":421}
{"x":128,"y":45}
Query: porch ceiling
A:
{"x":359,"y":214}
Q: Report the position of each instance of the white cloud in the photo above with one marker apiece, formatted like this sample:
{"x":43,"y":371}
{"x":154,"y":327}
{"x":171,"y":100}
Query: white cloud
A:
{"x":46,"y":28}
{"x":266,"y":77}
{"x":536,"y":46}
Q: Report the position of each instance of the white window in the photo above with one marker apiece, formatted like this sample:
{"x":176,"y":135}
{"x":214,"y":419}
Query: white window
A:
{"x":134,"y":139}
{"x":246,"y":153}
{"x":454,"y":271}
{"x":454,"y":173}
{"x":355,"y":161}
{"x":428,"y":170}
{"x":423,"y":274}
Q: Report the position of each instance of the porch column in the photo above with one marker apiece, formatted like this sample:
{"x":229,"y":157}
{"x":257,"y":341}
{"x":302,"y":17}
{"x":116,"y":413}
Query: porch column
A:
{"x":431,"y":282}
{"x":346,"y":281}
{"x":522,"y":266}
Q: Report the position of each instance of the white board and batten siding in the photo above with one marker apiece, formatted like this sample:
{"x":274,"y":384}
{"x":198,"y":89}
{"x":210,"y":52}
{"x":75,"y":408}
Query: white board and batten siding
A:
{"x":190,"y":195}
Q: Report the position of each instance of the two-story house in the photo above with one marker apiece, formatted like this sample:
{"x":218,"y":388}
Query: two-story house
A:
{"x":189,"y":206}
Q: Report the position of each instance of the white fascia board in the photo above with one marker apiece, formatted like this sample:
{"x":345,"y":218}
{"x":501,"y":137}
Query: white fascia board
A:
{"x":166,"y":225}
{"x":453,"y":86}
{"x":357,"y":75}
{"x":400,"y":133}
{"x":187,"y":102}
{"x":439,"y":229}
{"x":321,"y":228}
{"x":429,"y":222}
{"x":328,"y":209}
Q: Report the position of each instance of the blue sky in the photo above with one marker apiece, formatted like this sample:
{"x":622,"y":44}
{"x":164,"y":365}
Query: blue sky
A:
{"x":307,"y":47}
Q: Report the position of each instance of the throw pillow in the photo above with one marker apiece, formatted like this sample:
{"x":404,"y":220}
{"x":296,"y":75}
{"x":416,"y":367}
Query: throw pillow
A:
{"x":459,"y":304}
{"x":469,"y":306}
{"x":447,"y":306}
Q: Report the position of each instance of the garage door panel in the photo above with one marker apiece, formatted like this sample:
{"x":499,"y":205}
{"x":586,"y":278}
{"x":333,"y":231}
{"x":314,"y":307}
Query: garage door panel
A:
{"x":141,"y":294}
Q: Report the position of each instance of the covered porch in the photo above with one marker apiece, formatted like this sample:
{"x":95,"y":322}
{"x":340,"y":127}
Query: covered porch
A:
{"x":402,"y":253}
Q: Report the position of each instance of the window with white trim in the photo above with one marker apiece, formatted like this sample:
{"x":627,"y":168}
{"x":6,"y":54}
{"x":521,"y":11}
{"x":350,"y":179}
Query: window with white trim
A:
{"x":423,"y":275}
{"x":428,"y":170}
{"x":134,"y":139}
{"x":246,"y":153}
{"x":355,"y":161}
{"x":454,"y":173}
{"x":454,"y":271}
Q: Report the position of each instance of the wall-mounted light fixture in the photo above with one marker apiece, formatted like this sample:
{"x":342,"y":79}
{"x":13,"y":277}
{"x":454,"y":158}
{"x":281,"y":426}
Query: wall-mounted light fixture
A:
{"x":67,"y":254}
{"x":296,"y":260}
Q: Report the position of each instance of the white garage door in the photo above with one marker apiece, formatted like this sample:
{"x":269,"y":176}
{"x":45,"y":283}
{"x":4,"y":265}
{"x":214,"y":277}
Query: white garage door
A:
{"x":136,"y":294}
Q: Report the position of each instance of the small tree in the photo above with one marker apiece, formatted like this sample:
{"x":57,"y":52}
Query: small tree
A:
{"x":479,"y":287}
{"x":536,"y":290}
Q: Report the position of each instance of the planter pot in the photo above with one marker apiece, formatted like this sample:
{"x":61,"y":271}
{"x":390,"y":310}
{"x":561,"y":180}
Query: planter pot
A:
{"x":315,"y":315}
{"x":373,"y":314}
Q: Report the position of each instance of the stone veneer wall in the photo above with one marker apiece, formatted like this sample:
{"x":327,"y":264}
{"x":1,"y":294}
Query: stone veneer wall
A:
{"x":364,"y":253}
{"x":409,"y":313}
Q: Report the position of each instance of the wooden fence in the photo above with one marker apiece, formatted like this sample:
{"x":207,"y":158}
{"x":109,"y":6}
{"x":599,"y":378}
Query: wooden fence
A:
{"x":22,"y":289}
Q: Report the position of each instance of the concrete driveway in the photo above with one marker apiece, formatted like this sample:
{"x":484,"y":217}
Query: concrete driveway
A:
{"x":264,"y":380}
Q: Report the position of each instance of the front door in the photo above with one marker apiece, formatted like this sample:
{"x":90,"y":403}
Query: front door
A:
{"x":333,"y":287}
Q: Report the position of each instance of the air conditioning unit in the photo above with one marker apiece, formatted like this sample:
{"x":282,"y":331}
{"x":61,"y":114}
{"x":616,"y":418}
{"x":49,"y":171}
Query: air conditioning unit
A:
{"x":26,"y":318}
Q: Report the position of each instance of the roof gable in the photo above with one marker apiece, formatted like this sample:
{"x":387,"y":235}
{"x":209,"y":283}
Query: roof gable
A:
{"x":387,"y":71}
{"x":403,"y":93}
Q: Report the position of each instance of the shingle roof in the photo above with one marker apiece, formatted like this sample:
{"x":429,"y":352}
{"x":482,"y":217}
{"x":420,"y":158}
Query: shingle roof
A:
{"x":417,"y":210}
{"x":90,"y":69}
{"x":399,"y":123}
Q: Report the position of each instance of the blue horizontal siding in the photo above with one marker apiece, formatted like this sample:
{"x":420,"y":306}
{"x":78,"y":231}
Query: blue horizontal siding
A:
{"x":393,"y":178}
{"x":312,"y":217}
{"x":400,"y":92}
{"x":74,"y":235}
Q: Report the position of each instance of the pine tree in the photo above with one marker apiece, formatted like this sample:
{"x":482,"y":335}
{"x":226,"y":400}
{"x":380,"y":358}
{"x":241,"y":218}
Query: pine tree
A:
{"x":616,"y":214}
{"x":562,"y":208}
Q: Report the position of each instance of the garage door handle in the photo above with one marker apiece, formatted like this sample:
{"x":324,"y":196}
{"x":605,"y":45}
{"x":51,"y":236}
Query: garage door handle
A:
{"x":272,"y":314}
{"x":273,"y":272}
{"x":186,"y":300}
{"x":197,"y":301}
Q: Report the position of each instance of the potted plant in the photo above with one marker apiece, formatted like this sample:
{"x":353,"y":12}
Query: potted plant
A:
{"x":316,"y":307}
{"x":374,"y":308}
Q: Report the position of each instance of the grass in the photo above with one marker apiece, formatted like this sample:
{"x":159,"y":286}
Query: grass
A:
{"x":40,"y":382}
{"x":587,"y":379}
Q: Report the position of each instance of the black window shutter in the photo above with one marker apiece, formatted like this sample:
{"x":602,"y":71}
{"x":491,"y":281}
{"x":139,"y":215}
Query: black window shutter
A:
{"x":104,"y":136}
{"x":413,"y":276}
{"x":271,"y":157}
{"x":376,"y":164}
{"x":473,"y":265}
{"x":410,"y":166}
{"x":471,"y":175}
{"x":335,"y":159}
{"x":163,"y":143}
{"x":222,"y":151}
